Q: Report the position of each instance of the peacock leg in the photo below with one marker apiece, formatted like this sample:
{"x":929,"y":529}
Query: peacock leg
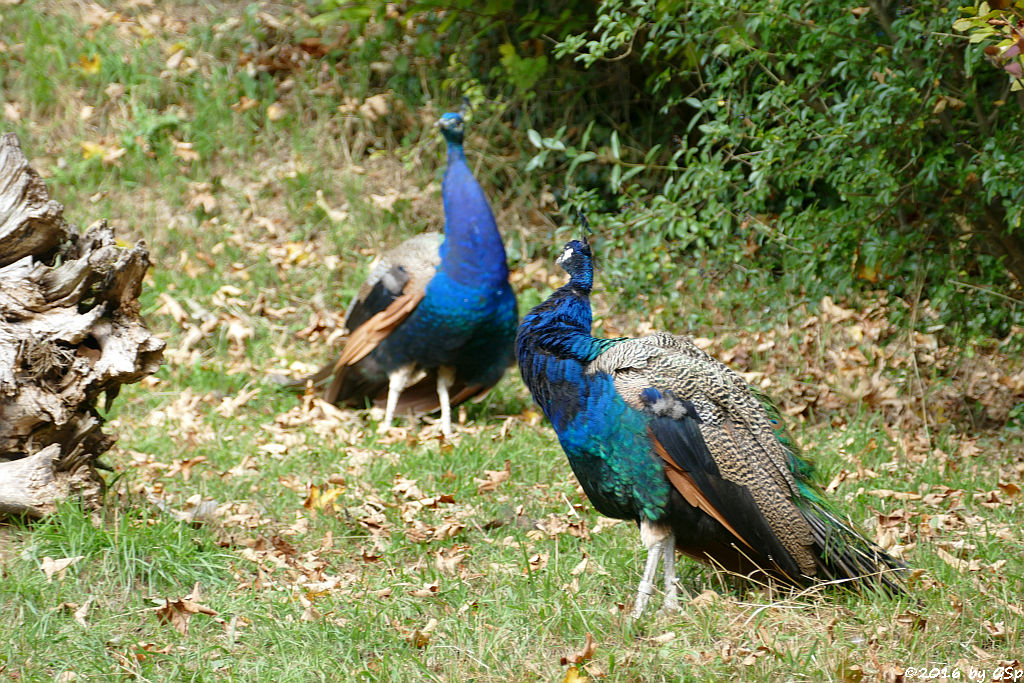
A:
{"x":445,"y":378}
{"x":397,"y":381}
{"x":654,"y":538}
{"x":671,"y":591}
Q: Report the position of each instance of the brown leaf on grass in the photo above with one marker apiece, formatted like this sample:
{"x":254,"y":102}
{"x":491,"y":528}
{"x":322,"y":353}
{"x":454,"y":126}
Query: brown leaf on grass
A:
{"x":79,"y":612}
{"x":429,"y":590}
{"x":581,"y":656}
{"x":536,"y":562}
{"x":1009,"y":488}
{"x":707,"y":598}
{"x":143,"y":649}
{"x":185,"y":150}
{"x":51,"y":566}
{"x":988,"y":499}
{"x":184,"y":467}
{"x":849,"y":673}
{"x":169,"y":306}
{"x":275,"y":111}
{"x":323,"y":498}
{"x":374,"y":107}
{"x":750,"y":657}
{"x":12,"y":111}
{"x":897,"y":495}
{"x":175,"y":58}
{"x":573,"y":675}
{"x":178,"y":613}
{"x":494,"y":478}
{"x":244,"y":104}
{"x":105,"y":150}
{"x":448,"y":560}
{"x":911,"y":621}
{"x":90,"y":65}
{"x":230,"y":404}
{"x":555,"y":524}
{"x":420,"y":637}
{"x":201,"y":195}
{"x":407,"y":488}
{"x":994,"y":630}
{"x":835,"y":313}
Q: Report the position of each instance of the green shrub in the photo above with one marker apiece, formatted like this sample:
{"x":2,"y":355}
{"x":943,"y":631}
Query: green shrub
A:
{"x":835,"y":147}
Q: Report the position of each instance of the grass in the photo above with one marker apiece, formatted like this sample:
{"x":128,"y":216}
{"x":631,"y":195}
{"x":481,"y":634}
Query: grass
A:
{"x":320,"y":550}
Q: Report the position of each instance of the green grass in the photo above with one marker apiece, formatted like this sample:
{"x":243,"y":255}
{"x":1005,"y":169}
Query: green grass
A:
{"x":364,"y":582}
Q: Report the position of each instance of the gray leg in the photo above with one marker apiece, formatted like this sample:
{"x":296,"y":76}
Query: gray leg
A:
{"x":654,"y":538}
{"x":671,"y":591}
{"x":445,"y":378}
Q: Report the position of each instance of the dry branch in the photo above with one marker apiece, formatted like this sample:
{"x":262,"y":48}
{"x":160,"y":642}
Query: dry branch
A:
{"x":70,"y":331}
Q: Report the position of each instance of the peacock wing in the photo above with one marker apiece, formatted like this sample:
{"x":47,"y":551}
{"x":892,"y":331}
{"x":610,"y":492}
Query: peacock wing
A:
{"x":712,"y":429}
{"x":408,"y":266}
{"x":396,"y":285}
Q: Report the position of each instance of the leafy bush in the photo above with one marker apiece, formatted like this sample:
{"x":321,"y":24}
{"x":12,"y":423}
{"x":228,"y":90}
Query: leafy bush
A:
{"x":836,"y":147}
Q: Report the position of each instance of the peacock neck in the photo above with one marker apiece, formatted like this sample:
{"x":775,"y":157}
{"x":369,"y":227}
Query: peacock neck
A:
{"x":472,"y":252}
{"x":562,"y":325}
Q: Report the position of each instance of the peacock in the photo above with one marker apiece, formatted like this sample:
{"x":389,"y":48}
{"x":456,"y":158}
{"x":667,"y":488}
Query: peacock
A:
{"x":434,"y":322}
{"x":659,"y":432}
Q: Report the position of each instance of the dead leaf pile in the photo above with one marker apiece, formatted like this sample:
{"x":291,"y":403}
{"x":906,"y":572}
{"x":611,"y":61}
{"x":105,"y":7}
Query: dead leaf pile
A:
{"x":841,"y":360}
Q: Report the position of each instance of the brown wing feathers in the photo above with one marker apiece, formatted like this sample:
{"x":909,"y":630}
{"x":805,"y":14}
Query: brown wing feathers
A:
{"x":365,"y":338}
{"x":691,"y":493}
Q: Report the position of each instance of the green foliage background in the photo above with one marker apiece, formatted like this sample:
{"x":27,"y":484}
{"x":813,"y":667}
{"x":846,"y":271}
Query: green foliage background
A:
{"x":827,"y":147}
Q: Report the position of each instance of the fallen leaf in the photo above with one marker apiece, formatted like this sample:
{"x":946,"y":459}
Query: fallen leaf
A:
{"x":994,"y":630}
{"x":427,"y":591}
{"x":107,"y":152}
{"x":244,"y":104}
{"x":705,"y":599}
{"x":179,"y":612}
{"x":494,"y":478}
{"x":82,"y":611}
{"x":12,"y":111}
{"x":536,"y":562}
{"x":174,"y":61}
{"x":1009,"y":488}
{"x":51,"y":566}
{"x":911,"y":621}
{"x":90,"y":65}
{"x":374,"y":107}
{"x":581,"y":656}
{"x":185,"y":150}
{"x":573,"y":675}
{"x":275,"y":112}
{"x":420,"y":637}
{"x":323,"y":499}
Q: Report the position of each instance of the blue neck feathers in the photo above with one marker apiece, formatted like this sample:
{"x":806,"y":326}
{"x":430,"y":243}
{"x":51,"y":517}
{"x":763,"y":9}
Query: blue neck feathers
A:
{"x":472,"y":252}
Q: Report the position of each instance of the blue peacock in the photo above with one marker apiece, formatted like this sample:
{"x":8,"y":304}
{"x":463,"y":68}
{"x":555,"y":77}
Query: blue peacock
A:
{"x":661,"y":433}
{"x":434,"y":322}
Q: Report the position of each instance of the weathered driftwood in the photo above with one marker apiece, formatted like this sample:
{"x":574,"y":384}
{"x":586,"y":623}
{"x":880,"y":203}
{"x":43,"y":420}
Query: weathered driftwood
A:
{"x":70,"y":331}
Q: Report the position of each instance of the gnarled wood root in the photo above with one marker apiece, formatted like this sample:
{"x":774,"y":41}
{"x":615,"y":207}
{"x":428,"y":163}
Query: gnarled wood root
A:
{"x":70,"y":331}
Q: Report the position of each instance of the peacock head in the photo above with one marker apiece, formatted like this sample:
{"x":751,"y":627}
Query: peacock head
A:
{"x":576,"y":259}
{"x":451,"y":126}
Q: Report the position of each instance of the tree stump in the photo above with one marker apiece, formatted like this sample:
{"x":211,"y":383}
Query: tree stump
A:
{"x":70,"y":331}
